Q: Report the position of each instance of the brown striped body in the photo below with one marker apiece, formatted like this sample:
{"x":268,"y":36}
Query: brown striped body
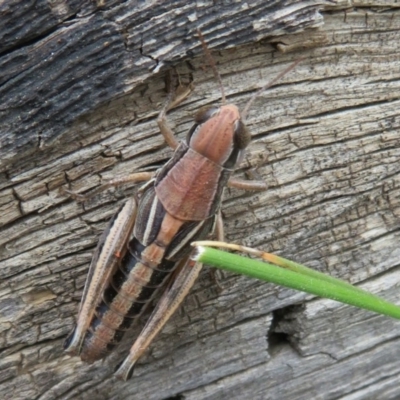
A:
{"x":178,"y":207}
{"x":134,"y":284}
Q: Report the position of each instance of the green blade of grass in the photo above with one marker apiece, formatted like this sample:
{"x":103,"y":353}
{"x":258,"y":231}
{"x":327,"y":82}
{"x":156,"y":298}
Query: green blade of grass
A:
{"x":302,"y":269}
{"x":306,"y":282}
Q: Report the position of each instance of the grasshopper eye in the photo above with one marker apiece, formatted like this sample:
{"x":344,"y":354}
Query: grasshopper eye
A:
{"x":205,"y":113}
{"x":192,"y":130}
{"x":242,"y":136}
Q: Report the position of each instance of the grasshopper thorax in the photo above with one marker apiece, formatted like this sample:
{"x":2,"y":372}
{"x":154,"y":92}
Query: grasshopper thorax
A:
{"x":219,"y":135}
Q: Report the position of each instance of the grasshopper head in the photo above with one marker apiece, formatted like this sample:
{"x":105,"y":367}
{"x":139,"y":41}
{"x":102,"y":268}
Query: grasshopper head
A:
{"x":220,"y":135}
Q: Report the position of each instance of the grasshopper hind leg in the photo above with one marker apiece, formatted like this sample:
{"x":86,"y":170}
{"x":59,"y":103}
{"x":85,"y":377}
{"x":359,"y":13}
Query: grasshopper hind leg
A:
{"x":179,"y":286}
{"x":68,"y":341}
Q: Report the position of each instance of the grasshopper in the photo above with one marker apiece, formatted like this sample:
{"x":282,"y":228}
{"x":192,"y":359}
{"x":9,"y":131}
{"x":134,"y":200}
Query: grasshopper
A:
{"x":145,"y":248}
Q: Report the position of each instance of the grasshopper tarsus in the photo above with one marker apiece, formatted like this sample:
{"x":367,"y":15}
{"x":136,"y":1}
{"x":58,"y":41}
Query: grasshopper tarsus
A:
{"x":177,"y":92}
{"x":80,"y":198}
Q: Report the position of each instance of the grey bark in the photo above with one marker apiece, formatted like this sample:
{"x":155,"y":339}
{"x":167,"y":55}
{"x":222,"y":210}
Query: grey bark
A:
{"x":81,"y":84}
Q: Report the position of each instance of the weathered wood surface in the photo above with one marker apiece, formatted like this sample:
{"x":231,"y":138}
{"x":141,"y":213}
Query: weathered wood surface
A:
{"x":81,"y":85}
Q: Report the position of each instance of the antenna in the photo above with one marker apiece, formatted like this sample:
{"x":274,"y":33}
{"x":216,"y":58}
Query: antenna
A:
{"x":269,"y":84}
{"x":212,"y":64}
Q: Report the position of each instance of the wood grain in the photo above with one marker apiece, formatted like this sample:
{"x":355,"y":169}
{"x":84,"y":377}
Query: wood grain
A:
{"x":81,"y":85}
